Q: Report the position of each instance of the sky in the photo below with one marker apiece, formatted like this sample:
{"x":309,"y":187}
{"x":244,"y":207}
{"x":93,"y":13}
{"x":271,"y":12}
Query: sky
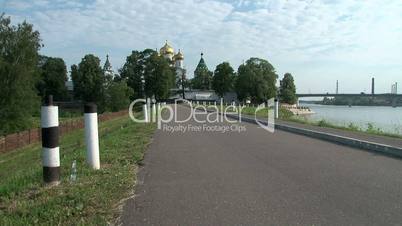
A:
{"x":317,"y":41}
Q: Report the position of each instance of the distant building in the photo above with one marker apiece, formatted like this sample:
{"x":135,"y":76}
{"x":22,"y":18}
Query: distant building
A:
{"x":69,"y":85}
{"x":107,"y":68}
{"x":201,"y":66}
{"x":177,"y":60}
{"x":202,"y":75}
{"x":207,"y":95}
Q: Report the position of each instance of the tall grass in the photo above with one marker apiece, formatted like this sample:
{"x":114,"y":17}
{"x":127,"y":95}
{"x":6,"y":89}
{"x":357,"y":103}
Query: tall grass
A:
{"x":93,"y":198}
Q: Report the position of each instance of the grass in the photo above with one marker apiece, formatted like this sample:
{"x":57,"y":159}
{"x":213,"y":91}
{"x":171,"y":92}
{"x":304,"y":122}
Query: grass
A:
{"x":371,"y":129}
{"x":93,"y":199}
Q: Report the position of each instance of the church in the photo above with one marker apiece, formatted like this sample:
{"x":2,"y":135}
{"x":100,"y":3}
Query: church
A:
{"x":177,"y":60}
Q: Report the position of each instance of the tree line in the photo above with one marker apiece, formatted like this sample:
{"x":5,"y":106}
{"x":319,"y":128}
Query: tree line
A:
{"x":254,"y":81}
{"x":26,"y":78}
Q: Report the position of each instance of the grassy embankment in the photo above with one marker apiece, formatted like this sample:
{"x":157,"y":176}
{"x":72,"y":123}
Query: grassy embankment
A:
{"x":286,"y":115}
{"x":371,"y":129}
{"x":64,"y":116}
{"x":94,"y":198}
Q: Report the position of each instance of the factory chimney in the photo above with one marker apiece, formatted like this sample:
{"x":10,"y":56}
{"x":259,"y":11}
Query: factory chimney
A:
{"x":372,"y":86}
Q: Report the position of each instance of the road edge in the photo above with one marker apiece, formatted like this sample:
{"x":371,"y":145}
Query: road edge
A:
{"x":333,"y":138}
{"x":343,"y":140}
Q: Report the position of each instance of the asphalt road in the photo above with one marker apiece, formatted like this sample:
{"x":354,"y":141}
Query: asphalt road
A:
{"x":257,"y":178}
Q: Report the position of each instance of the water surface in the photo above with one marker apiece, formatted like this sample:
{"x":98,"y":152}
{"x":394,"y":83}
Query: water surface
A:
{"x":388,"y":119}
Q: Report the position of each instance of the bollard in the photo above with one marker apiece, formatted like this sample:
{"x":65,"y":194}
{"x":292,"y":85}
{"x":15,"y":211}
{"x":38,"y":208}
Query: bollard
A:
{"x":91,"y":135}
{"x":239,"y":112}
{"x":149,"y":109}
{"x":158,"y":111}
{"x":276,"y":108}
{"x":145,"y":111}
{"x":50,"y":142}
{"x":153,"y":112}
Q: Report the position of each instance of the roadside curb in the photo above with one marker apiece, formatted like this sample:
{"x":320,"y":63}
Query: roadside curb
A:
{"x":347,"y":141}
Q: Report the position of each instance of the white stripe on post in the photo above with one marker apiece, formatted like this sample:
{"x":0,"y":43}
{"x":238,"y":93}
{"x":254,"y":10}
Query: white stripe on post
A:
{"x":158,"y":112}
{"x":51,"y":157}
{"x":91,"y":135}
{"x":50,"y":142}
{"x":153,"y":112}
{"x":50,"y":116}
{"x":145,"y":111}
{"x":149,"y":109}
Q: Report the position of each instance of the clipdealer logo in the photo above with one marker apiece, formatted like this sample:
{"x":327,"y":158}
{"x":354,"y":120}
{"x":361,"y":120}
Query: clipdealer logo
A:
{"x":183,"y":128}
{"x":211,"y":118}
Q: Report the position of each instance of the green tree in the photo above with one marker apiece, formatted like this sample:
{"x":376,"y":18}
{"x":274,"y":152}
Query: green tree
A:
{"x":19,"y":46}
{"x":134,"y":71}
{"x":202,"y":80}
{"x":53,"y":75}
{"x":88,"y":80}
{"x":202,"y":76}
{"x":159,"y":77}
{"x":155,"y":70}
{"x":223,"y":79}
{"x":256,"y":80}
{"x":287,"y":90}
{"x":118,"y":95}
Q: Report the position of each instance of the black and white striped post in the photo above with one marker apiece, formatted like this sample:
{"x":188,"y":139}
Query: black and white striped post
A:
{"x":50,"y":142}
{"x":91,"y":135}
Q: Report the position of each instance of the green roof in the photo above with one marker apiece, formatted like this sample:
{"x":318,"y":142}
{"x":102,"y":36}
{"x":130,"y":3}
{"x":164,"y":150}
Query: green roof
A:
{"x":107,"y":65}
{"x":201,"y":65}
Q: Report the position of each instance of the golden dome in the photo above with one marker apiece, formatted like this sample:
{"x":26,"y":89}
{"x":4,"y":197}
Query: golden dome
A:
{"x":179,"y":56}
{"x":166,"y":49}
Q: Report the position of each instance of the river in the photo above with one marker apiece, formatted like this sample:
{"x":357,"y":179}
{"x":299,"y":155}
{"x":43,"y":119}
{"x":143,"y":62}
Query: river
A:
{"x":387,"y":119}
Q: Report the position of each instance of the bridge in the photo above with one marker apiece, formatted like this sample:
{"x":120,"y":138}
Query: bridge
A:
{"x":392,"y":97}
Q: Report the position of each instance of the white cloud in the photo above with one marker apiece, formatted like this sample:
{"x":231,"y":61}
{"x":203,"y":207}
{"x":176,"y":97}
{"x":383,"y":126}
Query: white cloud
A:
{"x":315,"y":40}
